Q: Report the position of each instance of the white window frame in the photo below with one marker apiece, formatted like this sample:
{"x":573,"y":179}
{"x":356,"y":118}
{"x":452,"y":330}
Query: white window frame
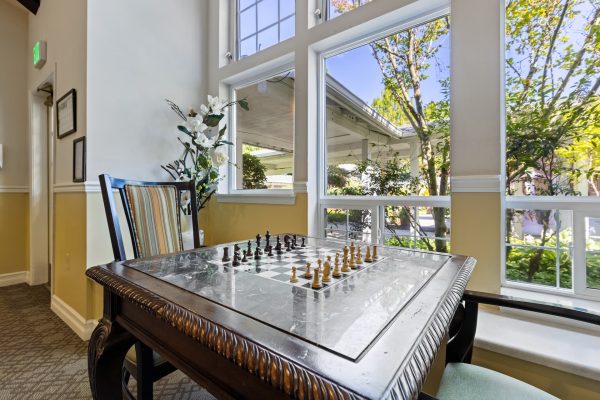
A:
{"x":582,"y":207}
{"x":252,"y":195}
{"x":375,"y":204}
{"x":237,"y":39}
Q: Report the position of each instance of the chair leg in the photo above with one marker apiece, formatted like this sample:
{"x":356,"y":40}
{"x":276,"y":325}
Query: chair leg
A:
{"x":145,"y":365}
{"x":125,"y":375}
{"x":460,"y":347}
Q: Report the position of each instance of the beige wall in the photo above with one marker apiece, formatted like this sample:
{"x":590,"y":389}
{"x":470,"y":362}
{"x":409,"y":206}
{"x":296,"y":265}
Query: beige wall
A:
{"x":14,"y":209}
{"x":13,"y":95}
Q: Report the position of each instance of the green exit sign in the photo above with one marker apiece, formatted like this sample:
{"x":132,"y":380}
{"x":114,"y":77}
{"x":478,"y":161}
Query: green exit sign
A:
{"x":39,"y":54}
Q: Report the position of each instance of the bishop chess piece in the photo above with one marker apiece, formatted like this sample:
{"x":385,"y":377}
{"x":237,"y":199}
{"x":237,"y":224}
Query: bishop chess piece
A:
{"x":293,"y":278}
{"x":352,"y":247}
{"x":249,"y":248}
{"x":303,"y":242}
{"x":359,"y":259}
{"x":226,"y":255}
{"x":368,"y":255}
{"x":352,"y":263}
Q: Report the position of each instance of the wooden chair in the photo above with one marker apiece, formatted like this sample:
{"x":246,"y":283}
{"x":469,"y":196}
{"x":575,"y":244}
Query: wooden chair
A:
{"x":464,"y":381}
{"x":150,"y":237}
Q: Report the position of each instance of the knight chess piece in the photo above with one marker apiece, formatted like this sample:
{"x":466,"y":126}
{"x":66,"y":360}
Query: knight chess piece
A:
{"x":226,"y":255}
{"x":236,"y":259}
{"x":326,"y":272}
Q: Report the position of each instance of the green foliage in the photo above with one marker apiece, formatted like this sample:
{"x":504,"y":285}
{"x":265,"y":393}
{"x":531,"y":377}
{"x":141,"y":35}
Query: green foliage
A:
{"x":254,"y":172}
{"x":519,"y":260}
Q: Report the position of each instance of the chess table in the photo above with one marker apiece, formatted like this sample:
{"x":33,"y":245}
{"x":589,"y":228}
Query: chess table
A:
{"x":247,"y":332}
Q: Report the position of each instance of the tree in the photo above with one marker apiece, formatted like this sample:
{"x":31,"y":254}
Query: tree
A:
{"x":551,"y":103}
{"x":254,"y":172}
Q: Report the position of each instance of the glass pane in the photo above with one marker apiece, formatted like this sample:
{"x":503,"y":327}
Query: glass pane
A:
{"x":531,"y":265}
{"x":287,"y":7}
{"x":248,"y":47}
{"x":413,"y":224}
{"x":547,"y":153}
{"x":248,"y":22}
{"x":592,"y":247}
{"x":265,"y":134}
{"x":339,"y":7}
{"x":373,"y":145}
{"x":287,"y":28}
{"x":540,"y":227}
{"x":268,"y":38}
{"x":245,"y":3}
{"x":352,"y":224}
{"x":566,"y":269}
{"x":267,"y":13}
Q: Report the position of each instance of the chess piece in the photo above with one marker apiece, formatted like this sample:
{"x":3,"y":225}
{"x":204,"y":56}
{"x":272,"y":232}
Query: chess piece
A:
{"x":327,"y":272}
{"x":268,"y":239}
{"x":258,"y":237}
{"x":293,"y":278}
{"x":307,"y":273}
{"x":226,"y":255}
{"x":288,"y":246}
{"x":345,"y":251}
{"x":368,"y":255}
{"x":245,"y":258}
{"x":352,"y":263}
{"x":236,"y":259}
{"x":303,"y":242}
{"x":375,"y":256}
{"x":345,"y":267}
{"x":359,"y":259}
{"x":316,"y":283}
{"x":352,"y":247}
{"x":320,"y":264}
{"x":336,"y":268}
{"x":249,"y":249}
{"x":257,"y":254}
{"x":270,"y":251}
{"x":236,"y":247}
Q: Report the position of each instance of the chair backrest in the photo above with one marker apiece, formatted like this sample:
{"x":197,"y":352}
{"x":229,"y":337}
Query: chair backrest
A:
{"x":152,"y":214}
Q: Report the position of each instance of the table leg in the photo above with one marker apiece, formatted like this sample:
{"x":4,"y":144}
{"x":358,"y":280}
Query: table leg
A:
{"x":106,"y":350}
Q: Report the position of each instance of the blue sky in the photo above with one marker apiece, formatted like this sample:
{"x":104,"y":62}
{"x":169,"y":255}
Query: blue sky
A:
{"x":358,"y":70}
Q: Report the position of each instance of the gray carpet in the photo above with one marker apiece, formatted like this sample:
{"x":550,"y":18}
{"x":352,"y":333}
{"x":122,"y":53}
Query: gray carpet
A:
{"x":41,"y":358}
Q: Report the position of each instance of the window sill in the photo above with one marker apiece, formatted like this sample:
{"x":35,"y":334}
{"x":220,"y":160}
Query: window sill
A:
{"x":285,"y":197}
{"x":568,"y":349}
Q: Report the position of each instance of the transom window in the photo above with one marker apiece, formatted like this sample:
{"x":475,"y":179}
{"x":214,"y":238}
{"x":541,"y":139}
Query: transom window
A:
{"x":263,"y":23}
{"x":339,"y":7}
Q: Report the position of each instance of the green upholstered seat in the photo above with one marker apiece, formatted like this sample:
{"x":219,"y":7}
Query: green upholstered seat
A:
{"x":470,"y":382}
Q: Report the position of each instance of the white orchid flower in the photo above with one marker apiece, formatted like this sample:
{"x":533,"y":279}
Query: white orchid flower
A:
{"x":219,"y":156}
{"x":215,"y":104}
{"x":204,"y":141}
{"x":196,"y":125}
{"x":204,"y":110}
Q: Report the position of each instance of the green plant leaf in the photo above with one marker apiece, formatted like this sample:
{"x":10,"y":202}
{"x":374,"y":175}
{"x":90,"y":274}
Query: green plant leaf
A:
{"x":244,"y":104}
{"x":213,"y":119}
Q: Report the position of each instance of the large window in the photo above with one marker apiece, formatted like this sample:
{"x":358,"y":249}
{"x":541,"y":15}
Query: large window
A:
{"x":263,"y":23}
{"x":339,"y":7}
{"x":386,"y":106}
{"x":552,"y":142}
{"x":264,"y":135}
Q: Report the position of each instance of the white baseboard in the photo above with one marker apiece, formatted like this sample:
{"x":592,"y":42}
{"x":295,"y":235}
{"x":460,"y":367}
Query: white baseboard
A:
{"x":14,"y":278}
{"x":82,"y":327}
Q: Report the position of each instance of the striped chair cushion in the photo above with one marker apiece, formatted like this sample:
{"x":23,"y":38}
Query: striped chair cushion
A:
{"x":155,"y":216}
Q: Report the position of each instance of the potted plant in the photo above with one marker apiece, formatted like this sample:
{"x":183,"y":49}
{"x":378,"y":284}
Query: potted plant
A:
{"x":205,"y":150}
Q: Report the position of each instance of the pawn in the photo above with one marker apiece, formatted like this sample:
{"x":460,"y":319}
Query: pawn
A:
{"x":270,"y":251}
{"x":352,"y":263}
{"x":359,"y":259}
{"x":316,"y":283}
{"x":336,"y":269}
{"x":368,"y":255}
{"x":303,"y":242}
{"x":375,"y":256}
{"x":245,"y":258}
{"x":293,"y":278}
{"x":345,"y":267}
{"x":327,"y":272}
{"x":320,"y":264}
{"x":307,"y":273}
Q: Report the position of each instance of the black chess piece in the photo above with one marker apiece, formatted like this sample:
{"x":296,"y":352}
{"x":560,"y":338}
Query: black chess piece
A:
{"x":245,"y":259}
{"x":236,"y":259}
{"x":288,"y":246}
{"x":257,"y":254}
{"x":249,"y":250}
{"x":258,"y":237}
{"x":270,"y":251}
{"x":236,"y":247}
{"x":303,"y":242}
{"x":226,"y":255}
{"x":268,"y":239}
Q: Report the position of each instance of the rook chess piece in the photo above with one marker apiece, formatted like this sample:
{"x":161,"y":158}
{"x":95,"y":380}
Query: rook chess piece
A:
{"x":293,"y":278}
{"x":307,"y":273}
{"x":226,"y":255}
{"x":368,"y":255}
{"x":375,"y":256}
{"x":327,"y":272}
{"x":316,"y":283}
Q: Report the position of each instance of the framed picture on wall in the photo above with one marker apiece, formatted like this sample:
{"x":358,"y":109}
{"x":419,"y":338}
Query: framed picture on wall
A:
{"x":79,"y":160}
{"x":66,"y":114}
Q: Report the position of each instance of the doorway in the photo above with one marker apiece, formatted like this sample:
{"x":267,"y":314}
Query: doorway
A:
{"x":41,"y":209}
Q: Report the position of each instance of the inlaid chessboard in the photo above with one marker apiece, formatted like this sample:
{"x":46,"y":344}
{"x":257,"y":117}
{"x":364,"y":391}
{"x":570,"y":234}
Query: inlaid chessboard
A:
{"x":279,"y":267}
